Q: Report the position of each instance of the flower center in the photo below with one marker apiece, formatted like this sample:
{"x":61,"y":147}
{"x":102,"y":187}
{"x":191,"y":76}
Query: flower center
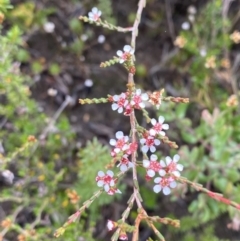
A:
{"x":121,"y":102}
{"x":150,"y":142}
{"x":158,"y":127}
{"x":155,"y":166}
{"x":120,"y":143}
{"x":171,"y":167}
{"x":107,"y":179}
{"x":124,"y":161}
{"x":137,"y":99}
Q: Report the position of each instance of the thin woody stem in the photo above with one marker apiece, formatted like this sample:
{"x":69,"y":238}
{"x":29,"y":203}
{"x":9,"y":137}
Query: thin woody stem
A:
{"x":214,"y":195}
{"x":141,"y":5}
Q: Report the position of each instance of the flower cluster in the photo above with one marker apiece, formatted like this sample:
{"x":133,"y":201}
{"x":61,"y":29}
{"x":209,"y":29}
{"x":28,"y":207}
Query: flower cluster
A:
{"x":168,"y":170}
{"x":107,"y":181}
{"x":150,"y":139}
{"x":122,"y":149}
{"x":126,"y":55}
{"x":128,"y":101}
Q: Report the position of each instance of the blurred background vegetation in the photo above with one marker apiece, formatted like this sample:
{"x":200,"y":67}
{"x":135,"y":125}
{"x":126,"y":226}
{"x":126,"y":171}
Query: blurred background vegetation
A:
{"x":49,"y":59}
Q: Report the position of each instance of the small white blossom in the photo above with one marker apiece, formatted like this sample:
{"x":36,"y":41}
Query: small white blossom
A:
{"x":192,"y":10}
{"x":125,"y":164}
{"x":164,"y":184}
{"x":52,"y":92}
{"x":171,"y":165}
{"x":94,"y":15}
{"x":149,"y":143}
{"x":8,"y":176}
{"x":121,"y":144}
{"x":88,"y":83}
{"x":49,"y":27}
{"x":153,"y":166}
{"x":105,"y":180}
{"x":138,"y":99}
{"x":123,"y":56}
{"x":186,"y":26}
{"x":203,"y":52}
{"x":158,"y":127}
{"x":121,"y":102}
{"x":111,"y":225}
{"x":101,"y":39}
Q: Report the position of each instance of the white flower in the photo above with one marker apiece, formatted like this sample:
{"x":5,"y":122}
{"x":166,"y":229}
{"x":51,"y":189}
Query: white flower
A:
{"x":123,"y":56}
{"x":164,"y":184}
{"x":111,"y":225}
{"x":171,"y":166}
{"x":49,"y":27}
{"x":186,"y":26}
{"x":105,"y":180}
{"x":158,"y":127}
{"x":121,"y":144}
{"x":8,"y":176}
{"x":138,"y":98}
{"x":125,"y":164}
{"x":153,"y":166}
{"x":203,"y":52}
{"x":101,"y":39}
{"x":52,"y":92}
{"x":149,"y":143}
{"x":121,"y":102}
{"x":192,"y":10}
{"x":94,"y":15}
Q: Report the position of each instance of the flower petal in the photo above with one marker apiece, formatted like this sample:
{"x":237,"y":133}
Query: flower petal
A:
{"x":119,"y":53}
{"x":127,"y":48}
{"x":153,"y":122}
{"x":115,"y":97}
{"x":138,"y":92}
{"x":153,"y":157}
{"x":162,"y":172}
{"x":165,"y":126}
{"x":168,"y":160}
{"x":162,"y":163}
{"x":173,"y":184}
{"x":144,"y":96}
{"x":151,"y":173}
{"x":94,"y":10}
{"x":152,"y":132}
{"x":161,"y":119}
{"x":114,"y":106}
{"x":145,"y":149}
{"x":176,"y":158}
{"x":101,"y":174}
{"x":123,"y":168}
{"x":157,"y":188}
{"x":106,"y":188}
{"x":157,"y":179}
{"x":180,"y":167}
{"x":152,"y":149}
{"x":112,"y":142}
{"x":110,"y":173}
{"x":100,"y":183}
{"x":142,"y":141}
{"x":157,"y":142}
{"x":146,"y":163}
{"x":176,"y":173}
{"x":166,"y":190}
{"x":119,"y":134}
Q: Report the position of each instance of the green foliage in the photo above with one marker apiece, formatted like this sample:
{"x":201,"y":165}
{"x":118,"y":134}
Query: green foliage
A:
{"x":40,"y":167}
{"x":106,"y":7}
{"x":93,"y":158}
